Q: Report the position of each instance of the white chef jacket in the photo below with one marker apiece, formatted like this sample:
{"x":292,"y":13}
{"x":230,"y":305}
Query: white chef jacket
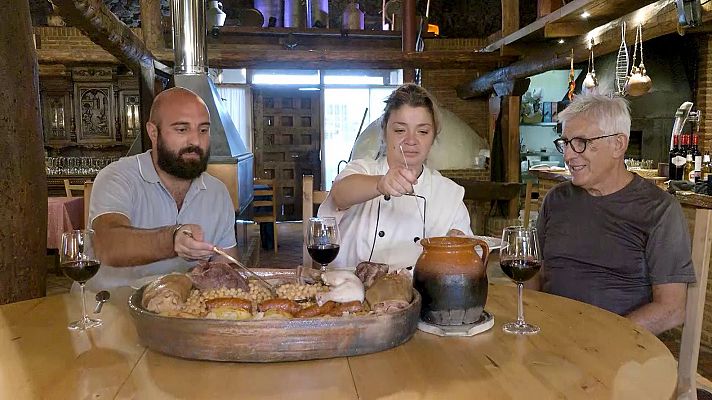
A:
{"x":392,"y":234}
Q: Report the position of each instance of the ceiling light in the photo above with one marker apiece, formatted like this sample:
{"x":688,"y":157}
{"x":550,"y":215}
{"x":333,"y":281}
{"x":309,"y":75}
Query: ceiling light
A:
{"x":585,"y":14}
{"x":561,"y":41}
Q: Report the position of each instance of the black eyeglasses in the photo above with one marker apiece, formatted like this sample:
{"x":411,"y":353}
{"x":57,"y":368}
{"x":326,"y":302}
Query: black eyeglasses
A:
{"x":577,"y":144}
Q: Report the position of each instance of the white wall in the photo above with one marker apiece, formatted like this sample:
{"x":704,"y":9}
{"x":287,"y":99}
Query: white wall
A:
{"x":553,"y":85}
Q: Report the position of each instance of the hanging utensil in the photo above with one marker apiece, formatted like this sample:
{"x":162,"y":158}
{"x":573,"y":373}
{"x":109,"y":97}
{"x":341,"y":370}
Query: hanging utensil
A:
{"x":639,"y":83}
{"x":622,"y":64}
{"x":572,"y":79}
{"x":590,"y":83}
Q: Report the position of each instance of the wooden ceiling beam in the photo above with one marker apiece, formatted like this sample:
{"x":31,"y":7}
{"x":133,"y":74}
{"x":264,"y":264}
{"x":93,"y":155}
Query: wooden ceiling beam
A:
{"x":510,"y":16}
{"x":570,"y":29}
{"x":96,"y":21}
{"x":151,"y":24}
{"x":570,"y":13}
{"x":261,"y":57}
{"x":660,"y":18}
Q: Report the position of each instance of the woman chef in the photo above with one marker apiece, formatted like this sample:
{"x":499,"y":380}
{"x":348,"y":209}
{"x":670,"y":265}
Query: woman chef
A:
{"x":385,"y":206}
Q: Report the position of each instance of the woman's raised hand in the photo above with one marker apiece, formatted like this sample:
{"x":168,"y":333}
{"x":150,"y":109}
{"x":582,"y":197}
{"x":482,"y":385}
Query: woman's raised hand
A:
{"x":397,"y":181}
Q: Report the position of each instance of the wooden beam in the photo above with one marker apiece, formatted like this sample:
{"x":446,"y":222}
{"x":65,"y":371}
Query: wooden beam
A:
{"x":660,"y":19}
{"x":512,"y":88}
{"x":510,"y":139}
{"x":488,"y":191}
{"x":546,"y":7}
{"x":271,"y":57}
{"x":510,"y":16}
{"x":95,"y":20}
{"x":570,"y":11}
{"x":151,"y":24}
{"x":23,"y":181}
{"x":410,"y":31}
{"x":570,"y":29}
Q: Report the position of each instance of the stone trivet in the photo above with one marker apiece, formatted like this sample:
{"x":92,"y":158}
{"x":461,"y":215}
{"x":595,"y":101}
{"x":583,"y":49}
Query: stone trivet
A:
{"x":485,"y":323}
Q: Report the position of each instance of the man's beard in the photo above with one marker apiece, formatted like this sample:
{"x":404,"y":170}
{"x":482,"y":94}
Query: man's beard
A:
{"x":175,"y":165}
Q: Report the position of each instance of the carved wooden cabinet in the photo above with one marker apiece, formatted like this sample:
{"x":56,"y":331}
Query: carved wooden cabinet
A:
{"x":56,"y":116}
{"x":95,"y":107}
{"x":94,"y":112}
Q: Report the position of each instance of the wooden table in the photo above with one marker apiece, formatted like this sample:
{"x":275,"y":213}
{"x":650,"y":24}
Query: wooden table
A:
{"x":582,"y":352}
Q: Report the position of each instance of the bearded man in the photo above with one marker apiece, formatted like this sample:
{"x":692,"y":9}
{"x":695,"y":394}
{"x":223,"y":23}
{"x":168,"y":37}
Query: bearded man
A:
{"x":142,"y":206}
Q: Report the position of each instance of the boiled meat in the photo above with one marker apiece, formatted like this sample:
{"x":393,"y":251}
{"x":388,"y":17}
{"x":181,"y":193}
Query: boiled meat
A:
{"x":214,"y":275}
{"x":167,"y":293}
{"x":368,"y":272}
{"x":344,"y":287}
{"x":390,"y":293}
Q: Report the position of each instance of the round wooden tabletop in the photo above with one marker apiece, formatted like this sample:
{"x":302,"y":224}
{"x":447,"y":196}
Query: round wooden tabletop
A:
{"x":582,"y":352}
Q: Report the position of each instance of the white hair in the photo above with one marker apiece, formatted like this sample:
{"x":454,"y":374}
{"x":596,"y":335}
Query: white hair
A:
{"x":611,"y":114}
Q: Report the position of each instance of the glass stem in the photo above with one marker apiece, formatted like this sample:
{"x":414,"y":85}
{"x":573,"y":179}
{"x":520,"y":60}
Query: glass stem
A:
{"x":520,"y":305}
{"x":84,"y":306}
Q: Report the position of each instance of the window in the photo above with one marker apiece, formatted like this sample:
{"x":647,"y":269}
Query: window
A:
{"x":285,"y":77}
{"x":343,"y":110}
{"x":238,"y":102}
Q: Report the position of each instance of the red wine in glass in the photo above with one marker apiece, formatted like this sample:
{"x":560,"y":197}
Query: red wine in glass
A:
{"x":80,"y":271}
{"x":79,"y":263}
{"x":322,"y":240}
{"x":323,"y":254}
{"x":520,"y":270}
{"x":520,"y":259}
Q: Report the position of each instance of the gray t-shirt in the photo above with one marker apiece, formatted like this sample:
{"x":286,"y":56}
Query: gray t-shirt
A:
{"x":609,"y":250}
{"x":131,"y":187}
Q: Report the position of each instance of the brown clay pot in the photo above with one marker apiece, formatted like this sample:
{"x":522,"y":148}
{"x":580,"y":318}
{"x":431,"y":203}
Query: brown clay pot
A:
{"x":452,"y":280}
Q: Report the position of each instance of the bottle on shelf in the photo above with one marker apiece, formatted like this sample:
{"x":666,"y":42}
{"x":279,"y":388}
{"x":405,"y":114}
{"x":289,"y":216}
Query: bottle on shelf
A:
{"x":697,"y":158}
{"x":677,"y":160}
{"x":706,"y":166}
{"x":689,"y":159}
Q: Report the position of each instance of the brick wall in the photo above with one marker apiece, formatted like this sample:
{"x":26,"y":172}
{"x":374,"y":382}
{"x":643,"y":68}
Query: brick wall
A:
{"x":704,"y":90}
{"x":66,"y":38}
{"x":442,"y":83}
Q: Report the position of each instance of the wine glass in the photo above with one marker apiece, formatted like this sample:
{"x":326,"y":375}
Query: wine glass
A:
{"x":79,"y":263}
{"x":323,"y":240}
{"x":520,"y":259}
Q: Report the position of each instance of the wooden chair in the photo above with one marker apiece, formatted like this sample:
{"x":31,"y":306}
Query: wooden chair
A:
{"x":85,"y":189}
{"x":88,"y":185}
{"x":310,"y":197}
{"x":68,"y":188}
{"x":272,"y":202}
{"x":694,"y":308}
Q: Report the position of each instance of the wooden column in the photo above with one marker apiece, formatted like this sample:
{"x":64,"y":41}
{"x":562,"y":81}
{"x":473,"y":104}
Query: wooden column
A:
{"x":510,"y":16}
{"x":510,"y":138}
{"x":146,"y":90}
{"x":510,"y":20}
{"x":410,"y":31}
{"x":23,"y":181}
{"x":151,"y":24}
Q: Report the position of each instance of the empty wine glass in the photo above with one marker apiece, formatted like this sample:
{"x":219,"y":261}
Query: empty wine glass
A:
{"x":78,"y":263}
{"x":520,"y":259}
{"x":323,"y":240}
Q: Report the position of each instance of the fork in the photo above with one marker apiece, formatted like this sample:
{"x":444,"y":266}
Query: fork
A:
{"x":239,"y":264}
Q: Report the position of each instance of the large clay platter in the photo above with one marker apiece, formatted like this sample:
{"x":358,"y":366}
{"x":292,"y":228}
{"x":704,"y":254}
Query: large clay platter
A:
{"x":273,"y":340}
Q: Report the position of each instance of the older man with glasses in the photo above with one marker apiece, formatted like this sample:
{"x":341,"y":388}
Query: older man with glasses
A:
{"x":609,"y":237}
